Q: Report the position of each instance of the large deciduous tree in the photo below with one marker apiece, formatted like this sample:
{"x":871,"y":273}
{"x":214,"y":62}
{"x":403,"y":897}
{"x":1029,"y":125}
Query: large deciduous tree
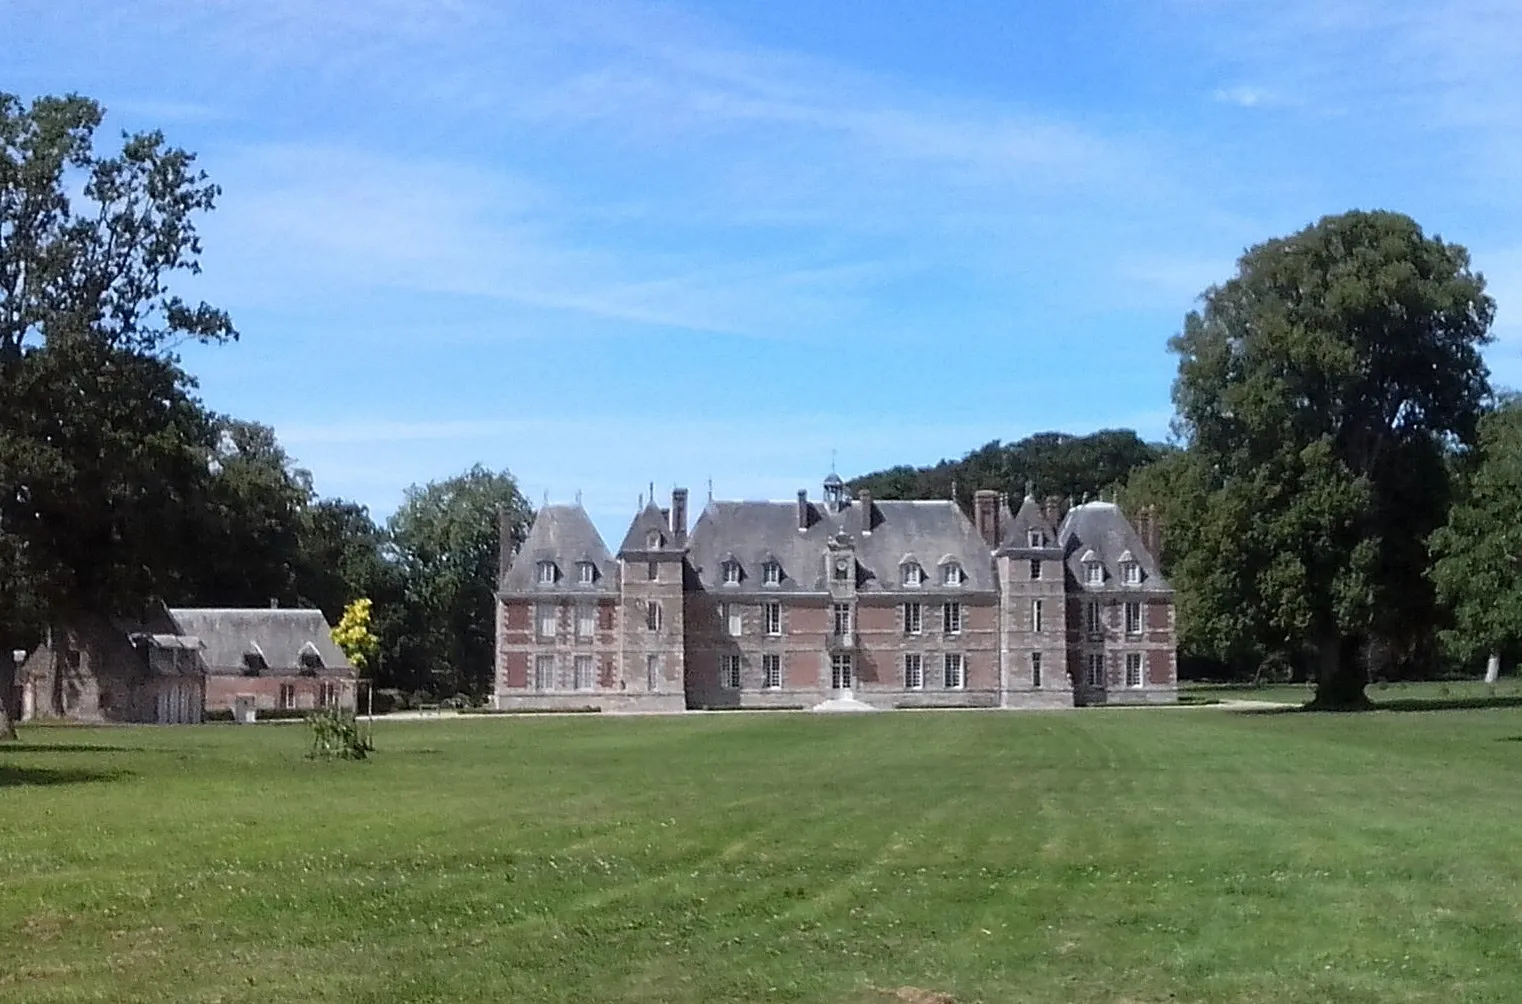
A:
{"x":1478,"y":566}
{"x":1317,"y":391}
{"x":445,"y":537}
{"x":101,"y":439}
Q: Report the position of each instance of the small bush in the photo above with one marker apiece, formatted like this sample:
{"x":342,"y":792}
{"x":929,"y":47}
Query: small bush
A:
{"x":336,"y":735}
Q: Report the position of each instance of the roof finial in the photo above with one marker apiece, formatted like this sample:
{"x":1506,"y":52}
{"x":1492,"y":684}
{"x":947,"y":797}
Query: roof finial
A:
{"x":1030,"y":488}
{"x":710,"y":489}
{"x":640,"y":507}
{"x":546,"y":496}
{"x":578,"y":496}
{"x":832,"y":461}
{"x":652,"y":493}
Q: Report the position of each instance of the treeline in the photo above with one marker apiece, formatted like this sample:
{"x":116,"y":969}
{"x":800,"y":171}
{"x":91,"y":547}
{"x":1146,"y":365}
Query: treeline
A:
{"x":118,"y":487}
{"x":1346,"y":500}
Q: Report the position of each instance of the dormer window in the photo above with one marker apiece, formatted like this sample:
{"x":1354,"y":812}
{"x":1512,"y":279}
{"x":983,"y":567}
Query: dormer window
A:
{"x":1035,"y":538}
{"x":912,"y":574}
{"x":310,"y":658}
{"x":771,"y":574}
{"x":654,"y":540}
{"x":254,"y":662}
{"x":586,"y":573}
{"x":731,"y":571}
{"x":1093,"y":571}
{"x":951,"y":574}
{"x":547,"y":573}
{"x":843,"y":567}
{"x":1130,"y":569}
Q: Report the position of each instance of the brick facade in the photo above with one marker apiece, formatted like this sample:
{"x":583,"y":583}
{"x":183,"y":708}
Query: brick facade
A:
{"x":903,"y":604}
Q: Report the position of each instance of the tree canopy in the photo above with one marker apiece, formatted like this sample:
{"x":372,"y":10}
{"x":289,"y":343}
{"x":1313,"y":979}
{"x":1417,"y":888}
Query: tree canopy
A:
{"x":1317,"y":392}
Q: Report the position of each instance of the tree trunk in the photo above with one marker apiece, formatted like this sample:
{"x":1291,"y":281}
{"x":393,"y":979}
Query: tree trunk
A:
{"x":1493,"y":668}
{"x":8,"y":714}
{"x":1340,"y":677}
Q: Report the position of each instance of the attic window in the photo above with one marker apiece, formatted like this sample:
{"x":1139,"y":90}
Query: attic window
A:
{"x":1093,"y":573}
{"x":254,"y":662}
{"x":310,"y":658}
{"x":1035,"y":538}
{"x":654,"y":540}
{"x":731,"y":572}
{"x":771,"y":574}
{"x":912,"y":574}
{"x":951,"y":574}
{"x":546,"y":573}
{"x":586,"y":573}
{"x":1130,"y":573}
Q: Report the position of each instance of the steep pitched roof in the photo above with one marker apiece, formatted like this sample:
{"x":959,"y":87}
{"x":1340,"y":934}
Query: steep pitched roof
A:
{"x":650,"y":519}
{"x":1029,"y":517}
{"x":755,"y":532}
{"x":562,"y":534}
{"x":280,"y":635}
{"x":1101,"y":528}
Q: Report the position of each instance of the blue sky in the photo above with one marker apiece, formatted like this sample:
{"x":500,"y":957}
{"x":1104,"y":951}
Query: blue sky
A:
{"x":606,"y":244}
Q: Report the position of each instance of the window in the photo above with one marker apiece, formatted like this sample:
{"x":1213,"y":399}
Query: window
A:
{"x":841,"y":664}
{"x":546,"y":573}
{"x":771,"y":671}
{"x":287,"y":696}
{"x":1130,"y":573}
{"x":586,"y":622}
{"x":1096,"y":669}
{"x":912,"y":574}
{"x":544,"y":672}
{"x":842,"y":620}
{"x":771,"y":574}
{"x":1091,"y":619}
{"x":253,"y":663}
{"x":582,"y":670}
{"x":1133,"y":618}
{"x":955,"y":678}
{"x":914,"y":671}
{"x":1035,"y":569}
{"x":310,"y":658}
{"x":546,"y":619}
{"x":586,"y":573}
{"x":914,"y":621}
{"x":1093,"y":573}
{"x":653,"y":571}
{"x":734,"y":619}
{"x":771,"y":616}
{"x":729,"y":671}
{"x":731,"y":573}
{"x":951,"y":574}
{"x":1133,"y":669}
{"x":652,"y":672}
{"x":1036,"y":615}
{"x":327,"y":695}
{"x":951,"y":617}
{"x":1036,"y":670}
{"x":654,"y":540}
{"x":843,"y":567}
{"x":652,"y":616}
{"x":1035,"y":538}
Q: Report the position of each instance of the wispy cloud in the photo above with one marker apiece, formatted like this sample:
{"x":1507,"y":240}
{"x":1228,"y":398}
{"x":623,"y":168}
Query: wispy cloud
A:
{"x":1243,"y":96}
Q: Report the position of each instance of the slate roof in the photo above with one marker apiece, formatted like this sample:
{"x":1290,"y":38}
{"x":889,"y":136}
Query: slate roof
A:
{"x":754,"y":532}
{"x":565,"y":535}
{"x":279,"y":635}
{"x":1102,"y":528}
{"x":649,"y":518}
{"x":1016,"y":529}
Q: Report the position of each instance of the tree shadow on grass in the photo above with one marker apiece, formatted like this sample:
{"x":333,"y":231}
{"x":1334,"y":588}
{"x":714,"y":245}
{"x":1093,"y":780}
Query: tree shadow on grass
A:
{"x":65,"y":748}
{"x":1399,"y":704}
{"x":12,"y":776}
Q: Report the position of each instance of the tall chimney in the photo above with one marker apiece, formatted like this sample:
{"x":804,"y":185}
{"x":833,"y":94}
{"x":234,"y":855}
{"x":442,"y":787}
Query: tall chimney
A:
{"x":985,"y":508}
{"x":274,"y":603}
{"x":1143,"y":525}
{"x":1052,"y":510}
{"x":803,"y":509}
{"x":1155,"y":533}
{"x":506,"y":548}
{"x":864,"y":499}
{"x":679,"y":514}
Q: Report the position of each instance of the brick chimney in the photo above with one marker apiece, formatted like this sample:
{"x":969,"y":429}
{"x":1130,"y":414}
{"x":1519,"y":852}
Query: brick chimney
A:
{"x":803,"y":509}
{"x":985,"y":509}
{"x":679,"y":514}
{"x":507,"y":548}
{"x":1155,"y":533}
{"x":864,"y":499}
{"x":1052,"y":509}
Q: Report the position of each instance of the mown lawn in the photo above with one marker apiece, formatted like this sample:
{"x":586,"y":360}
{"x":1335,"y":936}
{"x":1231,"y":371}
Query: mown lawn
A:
{"x":1096,"y":856}
{"x":1413,"y":695}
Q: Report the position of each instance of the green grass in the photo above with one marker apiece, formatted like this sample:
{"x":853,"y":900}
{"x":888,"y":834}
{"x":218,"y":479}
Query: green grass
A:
{"x":1399,"y":696}
{"x":1095,"y":856}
